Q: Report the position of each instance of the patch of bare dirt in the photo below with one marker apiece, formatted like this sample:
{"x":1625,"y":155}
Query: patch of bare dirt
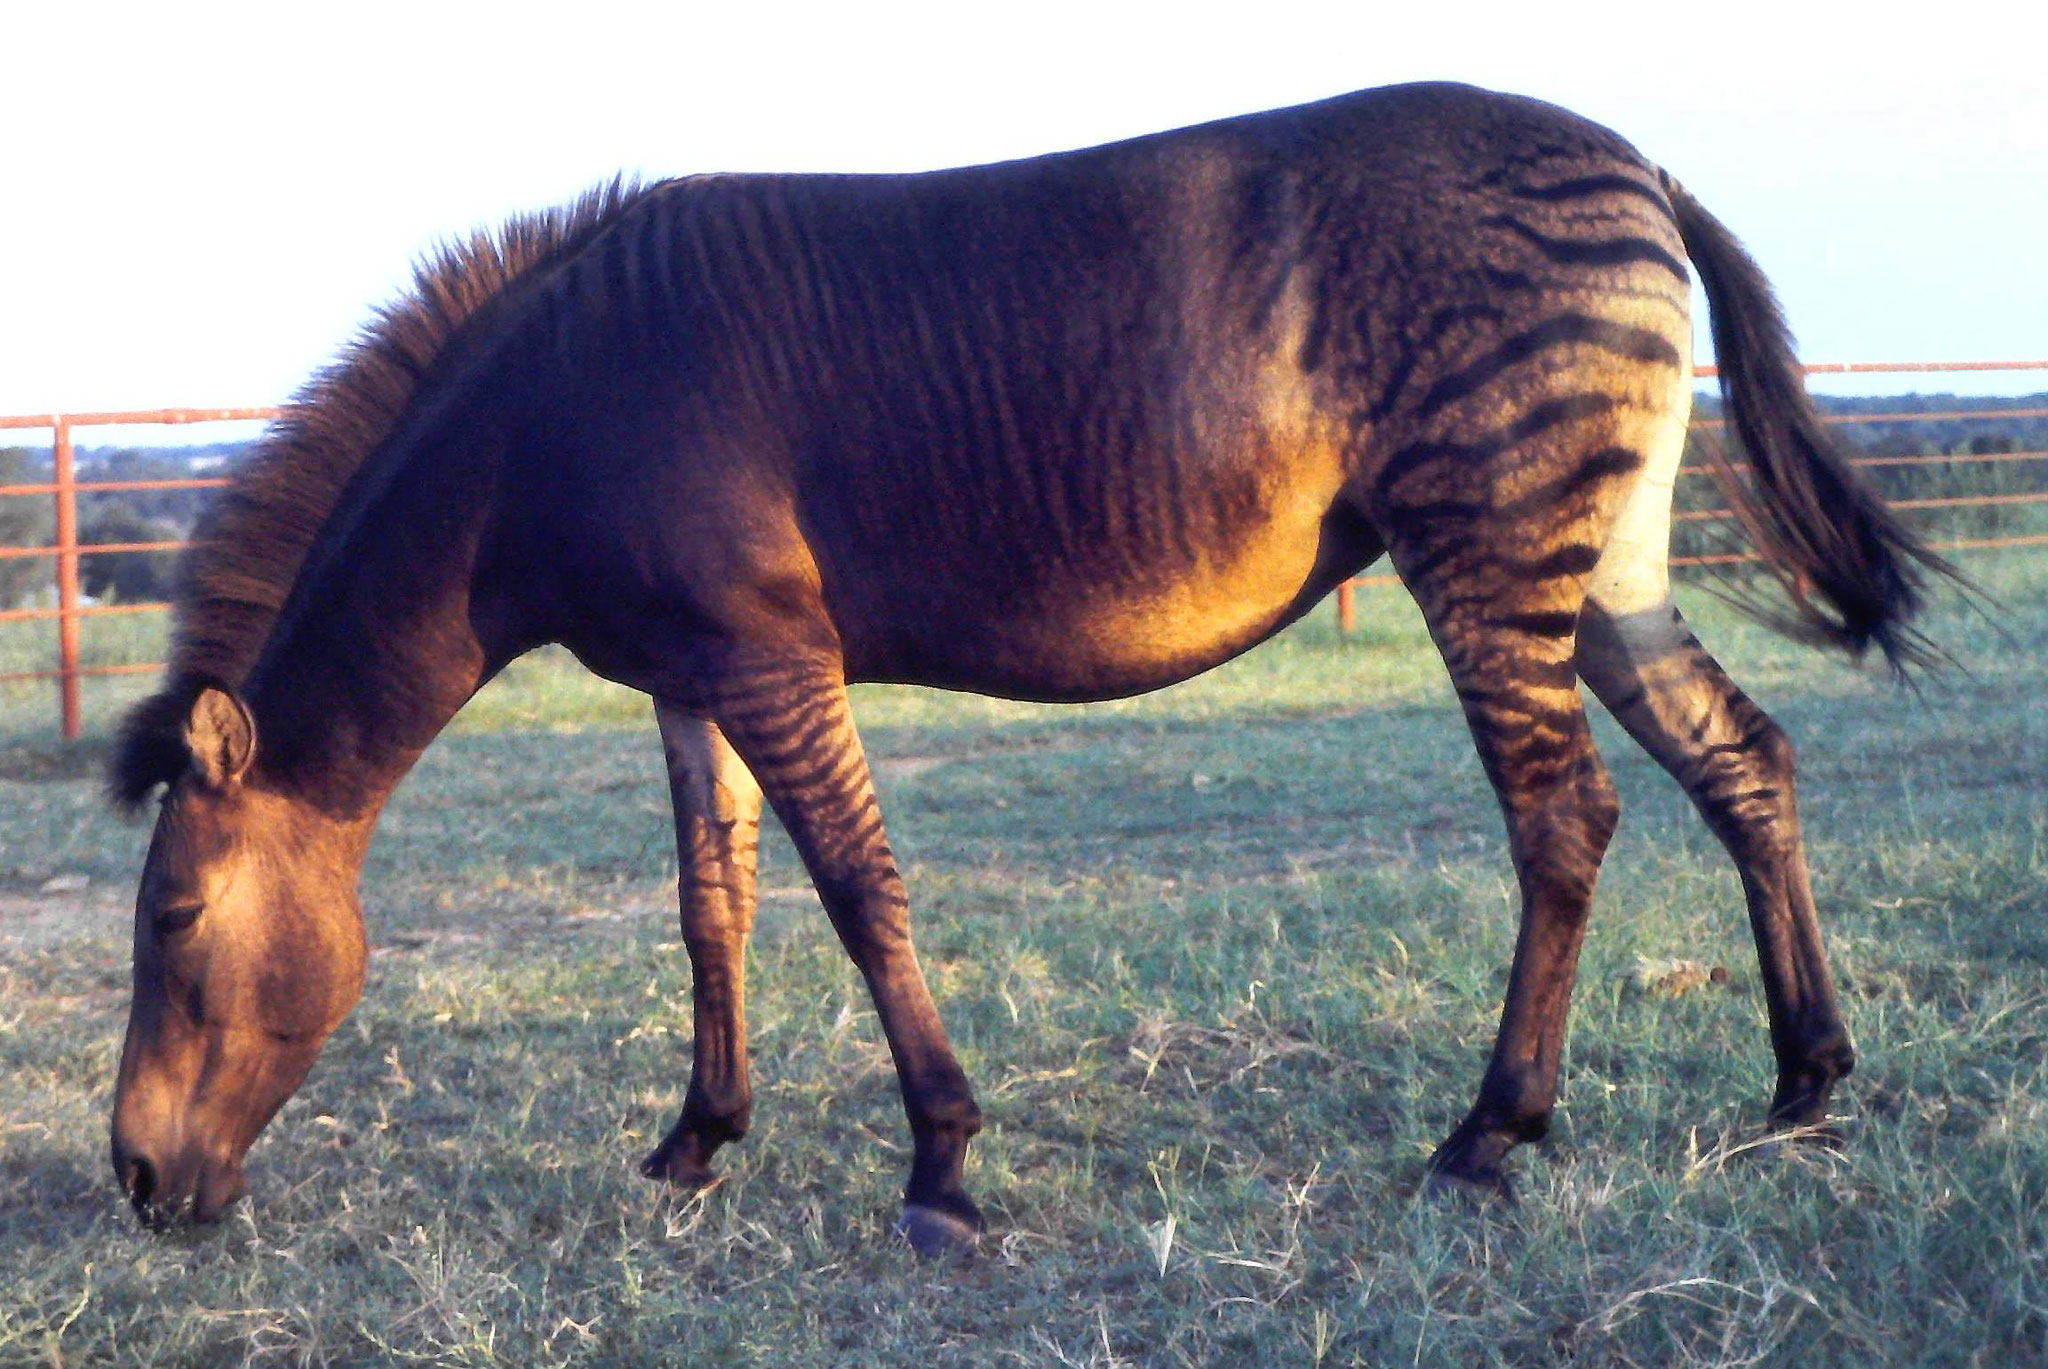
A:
{"x":889,"y":769}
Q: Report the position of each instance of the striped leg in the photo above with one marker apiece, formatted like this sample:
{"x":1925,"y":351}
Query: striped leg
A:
{"x":1736,"y":765}
{"x":718,"y":828}
{"x":791,"y":724}
{"x":1510,"y":655}
{"x":1496,"y":534}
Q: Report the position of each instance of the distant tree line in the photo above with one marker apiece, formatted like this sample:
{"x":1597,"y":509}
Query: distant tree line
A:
{"x":1946,"y":471}
{"x":103,"y":516}
{"x":169,"y":515}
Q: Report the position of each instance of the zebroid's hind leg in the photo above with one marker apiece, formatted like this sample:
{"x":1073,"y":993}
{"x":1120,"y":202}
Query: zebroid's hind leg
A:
{"x":1736,"y":765}
{"x":718,"y":828}
{"x":1495,"y":535}
{"x":789,"y":720}
{"x":1502,"y":597}
{"x":1639,"y":658}
{"x":1510,"y":657}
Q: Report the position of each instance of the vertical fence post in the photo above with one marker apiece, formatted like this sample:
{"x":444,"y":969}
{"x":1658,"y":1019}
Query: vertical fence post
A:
{"x":66,"y":480}
{"x":1347,"y":608}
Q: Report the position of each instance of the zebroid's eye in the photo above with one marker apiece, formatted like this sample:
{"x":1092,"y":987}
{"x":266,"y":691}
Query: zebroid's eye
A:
{"x":171,"y":921}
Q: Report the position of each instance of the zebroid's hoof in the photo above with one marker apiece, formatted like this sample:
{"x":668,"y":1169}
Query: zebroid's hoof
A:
{"x":932,"y":1233}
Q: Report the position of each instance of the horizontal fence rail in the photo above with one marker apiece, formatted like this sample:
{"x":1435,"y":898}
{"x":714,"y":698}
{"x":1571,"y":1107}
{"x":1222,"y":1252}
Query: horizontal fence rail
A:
{"x":65,"y":550}
{"x":64,"y":487}
{"x":1347,"y":597}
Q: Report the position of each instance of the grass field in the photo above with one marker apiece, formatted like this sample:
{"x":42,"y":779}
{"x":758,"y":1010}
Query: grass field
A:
{"x":1224,"y":963}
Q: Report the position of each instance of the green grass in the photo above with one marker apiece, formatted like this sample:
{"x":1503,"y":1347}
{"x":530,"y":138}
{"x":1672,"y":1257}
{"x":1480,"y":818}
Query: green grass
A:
{"x":1224,"y":964}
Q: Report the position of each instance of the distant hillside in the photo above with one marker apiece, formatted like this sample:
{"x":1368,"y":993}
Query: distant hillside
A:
{"x":1938,"y":459}
{"x":108,"y":516}
{"x":166,"y":515}
{"x":2026,"y":430}
{"x":201,"y":455}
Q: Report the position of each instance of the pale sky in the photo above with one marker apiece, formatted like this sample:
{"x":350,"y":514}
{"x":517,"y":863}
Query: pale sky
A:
{"x":204,"y":200}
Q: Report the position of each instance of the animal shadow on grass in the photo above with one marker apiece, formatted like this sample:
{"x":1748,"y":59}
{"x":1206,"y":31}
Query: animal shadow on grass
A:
{"x":49,"y":1196}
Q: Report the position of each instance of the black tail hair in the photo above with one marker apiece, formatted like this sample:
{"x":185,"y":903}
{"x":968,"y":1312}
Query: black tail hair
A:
{"x":1854,"y":573}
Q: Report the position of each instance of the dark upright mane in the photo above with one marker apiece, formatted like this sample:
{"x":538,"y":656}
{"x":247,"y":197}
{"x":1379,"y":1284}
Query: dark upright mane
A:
{"x":255,"y":536}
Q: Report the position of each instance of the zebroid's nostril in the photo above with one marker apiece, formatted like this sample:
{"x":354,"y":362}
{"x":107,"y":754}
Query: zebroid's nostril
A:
{"x":140,"y":1181}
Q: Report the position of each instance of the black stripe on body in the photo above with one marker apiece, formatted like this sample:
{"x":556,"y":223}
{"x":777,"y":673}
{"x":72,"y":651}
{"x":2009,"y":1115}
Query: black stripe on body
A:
{"x":1505,"y":280}
{"x":1422,"y":569}
{"x":1603,"y":464}
{"x":1577,"y":558}
{"x":1621,"y":339}
{"x":1542,"y":622}
{"x":1597,"y":252}
{"x":1433,"y":332}
{"x":1529,"y":672}
{"x":1586,"y":187}
{"x":1539,"y":419}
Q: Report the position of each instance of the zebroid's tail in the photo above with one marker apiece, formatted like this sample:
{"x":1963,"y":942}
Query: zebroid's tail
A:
{"x":1854,"y":573}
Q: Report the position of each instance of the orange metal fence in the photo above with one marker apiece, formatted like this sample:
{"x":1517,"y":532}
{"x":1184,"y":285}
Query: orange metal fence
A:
{"x":1347,"y":593}
{"x":64,"y":487}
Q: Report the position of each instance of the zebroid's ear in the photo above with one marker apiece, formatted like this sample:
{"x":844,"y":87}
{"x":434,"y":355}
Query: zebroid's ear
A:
{"x":221,"y":737}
